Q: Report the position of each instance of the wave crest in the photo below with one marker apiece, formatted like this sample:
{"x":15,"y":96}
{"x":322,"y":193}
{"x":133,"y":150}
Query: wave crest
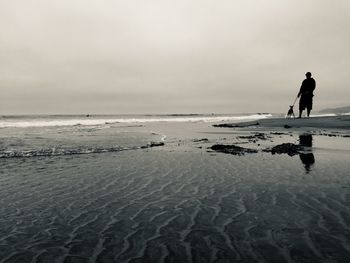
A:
{"x":46,"y":122}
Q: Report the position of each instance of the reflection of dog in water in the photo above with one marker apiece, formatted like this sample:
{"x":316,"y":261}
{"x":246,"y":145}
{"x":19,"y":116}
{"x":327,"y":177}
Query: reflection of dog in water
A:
{"x":290,"y":112}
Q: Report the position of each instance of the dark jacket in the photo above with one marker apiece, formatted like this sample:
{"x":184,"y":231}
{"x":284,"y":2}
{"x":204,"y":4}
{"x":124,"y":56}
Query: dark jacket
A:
{"x":307,"y":88}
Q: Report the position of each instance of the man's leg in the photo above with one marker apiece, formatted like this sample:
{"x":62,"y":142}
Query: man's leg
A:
{"x":308,"y":112}
{"x":301,"y":107}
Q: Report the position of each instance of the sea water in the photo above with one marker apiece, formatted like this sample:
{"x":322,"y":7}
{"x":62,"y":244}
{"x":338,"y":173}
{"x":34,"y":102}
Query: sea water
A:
{"x":52,"y":135}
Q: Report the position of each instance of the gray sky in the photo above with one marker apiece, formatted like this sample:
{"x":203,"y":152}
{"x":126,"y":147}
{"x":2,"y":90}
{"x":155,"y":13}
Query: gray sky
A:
{"x":162,"y":56}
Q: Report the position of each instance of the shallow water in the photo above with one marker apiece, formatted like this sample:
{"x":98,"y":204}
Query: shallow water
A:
{"x":71,"y":140}
{"x":177,"y":203}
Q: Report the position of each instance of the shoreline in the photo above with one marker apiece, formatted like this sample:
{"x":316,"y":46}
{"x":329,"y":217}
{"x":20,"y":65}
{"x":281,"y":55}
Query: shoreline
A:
{"x":326,"y":122}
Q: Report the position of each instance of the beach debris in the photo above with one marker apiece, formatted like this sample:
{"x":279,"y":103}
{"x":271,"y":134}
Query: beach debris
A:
{"x":232,"y":149}
{"x":289,"y":148}
{"x":232,"y":125}
{"x":155,"y":144}
{"x":243,"y":142}
{"x":201,"y":140}
{"x":333,"y":135}
{"x":278,"y":133}
{"x":255,"y":136}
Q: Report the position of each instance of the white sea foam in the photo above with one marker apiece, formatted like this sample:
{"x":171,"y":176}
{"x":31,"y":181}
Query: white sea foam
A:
{"x":330,"y":114}
{"x":46,"y":122}
{"x":323,"y":115}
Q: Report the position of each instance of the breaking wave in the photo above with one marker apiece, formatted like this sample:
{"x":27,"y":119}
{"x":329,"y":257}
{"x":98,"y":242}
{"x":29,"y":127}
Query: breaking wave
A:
{"x":9,"y":122}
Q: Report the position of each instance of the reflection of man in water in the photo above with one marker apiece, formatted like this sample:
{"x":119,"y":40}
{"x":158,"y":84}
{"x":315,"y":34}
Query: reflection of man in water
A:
{"x":307,"y":159}
{"x":306,"y":93}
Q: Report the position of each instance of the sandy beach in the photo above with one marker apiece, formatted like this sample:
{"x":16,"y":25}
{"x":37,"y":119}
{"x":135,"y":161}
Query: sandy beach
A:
{"x":156,"y":131}
{"x":183,"y":201}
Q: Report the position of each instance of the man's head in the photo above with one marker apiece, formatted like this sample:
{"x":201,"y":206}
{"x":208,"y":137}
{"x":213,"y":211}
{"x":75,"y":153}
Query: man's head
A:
{"x":308,"y":75}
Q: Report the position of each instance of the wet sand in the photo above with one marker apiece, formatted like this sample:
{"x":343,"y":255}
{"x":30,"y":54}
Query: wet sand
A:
{"x":182,"y":202}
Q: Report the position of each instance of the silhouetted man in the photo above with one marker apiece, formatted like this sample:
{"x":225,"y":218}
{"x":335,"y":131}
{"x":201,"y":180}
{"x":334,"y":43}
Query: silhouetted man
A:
{"x":306,"y":92}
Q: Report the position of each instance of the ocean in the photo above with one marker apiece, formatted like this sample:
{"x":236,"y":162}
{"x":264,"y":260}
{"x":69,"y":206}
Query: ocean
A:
{"x":51,"y":135}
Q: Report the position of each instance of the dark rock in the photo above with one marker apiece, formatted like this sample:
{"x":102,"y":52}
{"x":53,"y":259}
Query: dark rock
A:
{"x":287,"y":126}
{"x":232,"y":149}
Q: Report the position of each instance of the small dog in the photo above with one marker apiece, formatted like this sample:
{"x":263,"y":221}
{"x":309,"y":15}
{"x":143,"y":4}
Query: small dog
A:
{"x":290,"y":112}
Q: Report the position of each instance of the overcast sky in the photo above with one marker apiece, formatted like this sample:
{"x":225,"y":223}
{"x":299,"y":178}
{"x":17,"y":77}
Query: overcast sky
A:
{"x":162,"y":56}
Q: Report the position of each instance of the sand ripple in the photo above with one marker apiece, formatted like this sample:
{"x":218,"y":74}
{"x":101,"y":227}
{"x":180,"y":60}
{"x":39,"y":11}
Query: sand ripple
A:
{"x":172,"y":207}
